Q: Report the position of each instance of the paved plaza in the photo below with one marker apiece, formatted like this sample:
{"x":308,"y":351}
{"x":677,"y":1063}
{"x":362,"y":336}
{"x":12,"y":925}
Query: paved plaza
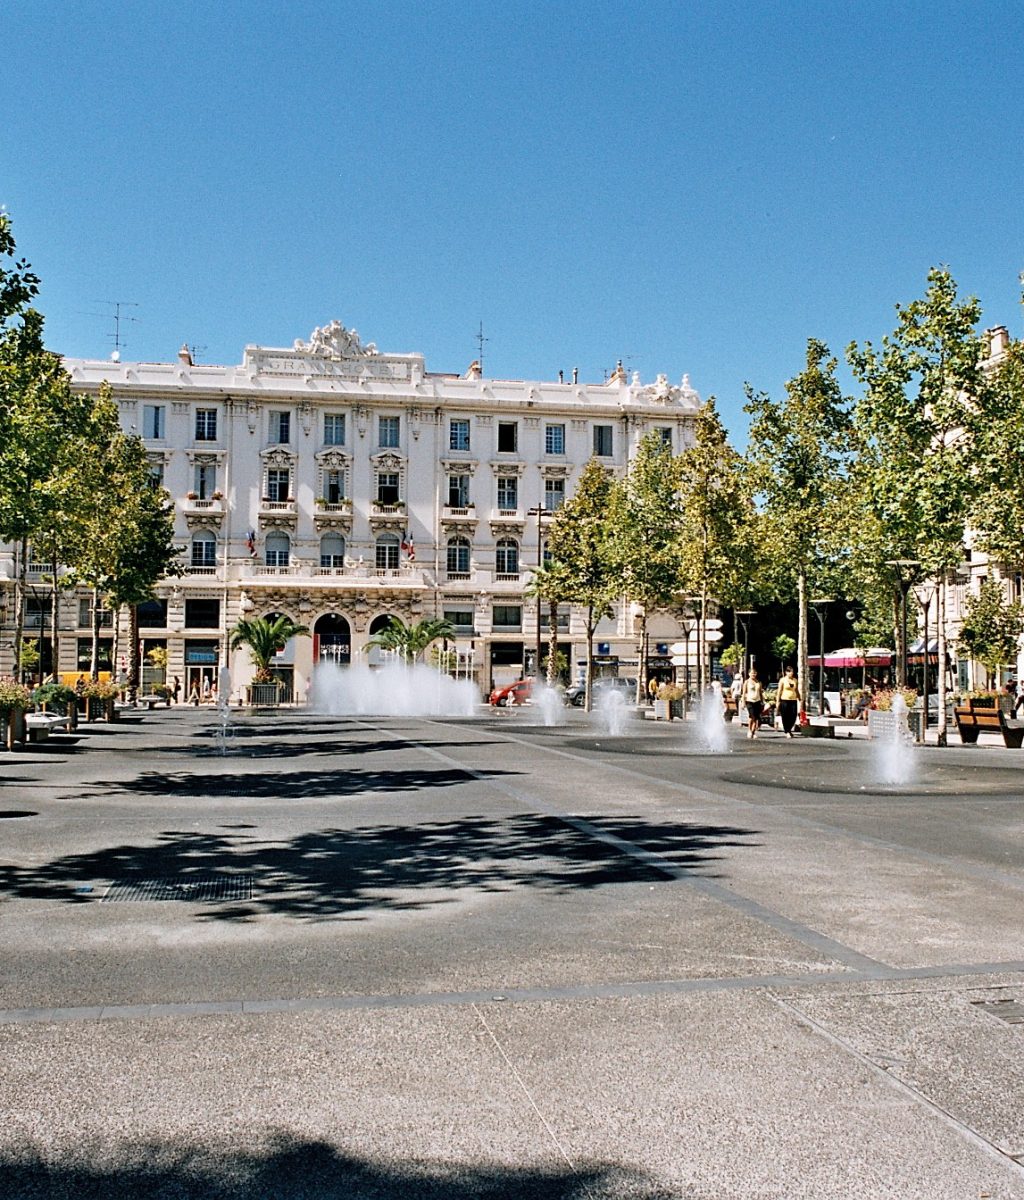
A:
{"x":354,"y":958}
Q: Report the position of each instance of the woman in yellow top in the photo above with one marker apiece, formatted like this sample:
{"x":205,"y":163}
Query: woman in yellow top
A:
{"x":789,"y":698}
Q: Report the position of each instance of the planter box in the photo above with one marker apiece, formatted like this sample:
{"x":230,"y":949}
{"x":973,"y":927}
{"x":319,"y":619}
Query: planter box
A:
{"x":12,"y":727}
{"x":675,"y":710}
{"x":263,"y":695}
{"x":662,"y":712}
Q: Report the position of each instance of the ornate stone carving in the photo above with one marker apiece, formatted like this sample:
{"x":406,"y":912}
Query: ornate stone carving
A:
{"x":210,"y":519}
{"x":662,"y":392}
{"x":335,"y":341}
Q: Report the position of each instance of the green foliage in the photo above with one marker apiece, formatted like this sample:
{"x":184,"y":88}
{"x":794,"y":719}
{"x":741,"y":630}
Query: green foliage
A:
{"x":264,"y":638}
{"x":410,"y":641}
{"x":784,"y":647}
{"x":732,"y":656}
{"x":14,"y":694}
{"x":991,"y":627}
{"x":54,"y":695}
{"x":29,"y":656}
{"x":997,"y":507}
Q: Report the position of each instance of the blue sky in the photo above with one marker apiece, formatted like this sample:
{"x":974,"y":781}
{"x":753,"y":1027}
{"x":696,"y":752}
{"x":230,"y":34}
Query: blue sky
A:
{"x":689,"y":187}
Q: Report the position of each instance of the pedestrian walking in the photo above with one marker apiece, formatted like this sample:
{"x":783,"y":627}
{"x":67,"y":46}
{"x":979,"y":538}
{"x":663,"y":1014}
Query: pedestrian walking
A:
{"x":175,"y":689}
{"x":789,"y":699}
{"x":753,"y":700}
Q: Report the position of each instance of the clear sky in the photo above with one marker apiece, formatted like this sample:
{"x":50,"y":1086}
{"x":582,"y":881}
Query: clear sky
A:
{"x":691,"y":187}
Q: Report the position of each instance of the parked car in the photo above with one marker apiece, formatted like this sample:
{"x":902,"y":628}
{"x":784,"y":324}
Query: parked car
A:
{"x":514,"y":693}
{"x":576,"y":693}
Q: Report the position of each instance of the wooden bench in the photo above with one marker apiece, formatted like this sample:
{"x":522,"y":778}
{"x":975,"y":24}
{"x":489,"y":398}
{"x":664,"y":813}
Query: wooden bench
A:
{"x":972,"y":721}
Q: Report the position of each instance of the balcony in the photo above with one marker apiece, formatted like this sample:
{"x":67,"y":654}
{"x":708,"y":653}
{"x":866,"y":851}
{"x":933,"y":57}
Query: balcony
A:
{"x":332,"y":514}
{"x":203,"y":512}
{"x":381,"y":509}
{"x":333,"y":506}
{"x":278,"y":514}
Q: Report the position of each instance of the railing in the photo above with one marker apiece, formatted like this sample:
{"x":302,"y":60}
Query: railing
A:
{"x":388,"y":572}
{"x":334,"y":570}
{"x":277,"y":505}
{"x":192,"y":569}
{"x":459,"y":510}
{"x":383,"y":510}
{"x":458,"y":575}
{"x":507,"y":576}
{"x":263,"y":569}
{"x":508,"y":513}
{"x":333,"y":506}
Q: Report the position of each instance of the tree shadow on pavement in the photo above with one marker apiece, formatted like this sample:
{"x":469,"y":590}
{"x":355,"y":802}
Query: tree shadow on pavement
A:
{"x":289,"y":784}
{"x":352,"y":873}
{"x":292,"y":1168}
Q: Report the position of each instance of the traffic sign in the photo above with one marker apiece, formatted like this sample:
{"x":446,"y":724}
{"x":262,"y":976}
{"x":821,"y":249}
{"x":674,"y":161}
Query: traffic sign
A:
{"x":678,"y":648}
{"x":679,"y":661}
{"x":714,"y":623}
{"x":713,"y":635}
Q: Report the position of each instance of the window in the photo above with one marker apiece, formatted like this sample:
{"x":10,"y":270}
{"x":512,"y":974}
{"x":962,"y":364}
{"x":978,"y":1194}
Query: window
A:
{"x":554,"y":493}
{"x":665,"y":433}
{"x":278,"y":550}
{"x":461,"y":620}
{"x":156,"y":475}
{"x":458,"y":491}
{"x":153,"y":421}
{"x":37,"y":612}
{"x":206,"y":424}
{"x":387,"y":432}
{"x":153,"y":614}
{"x":280,"y":427}
{"x":334,"y":486}
{"x":332,"y":550}
{"x":202,"y":614}
{"x":554,"y":439}
{"x":104,"y":654}
{"x":507,"y":616}
{"x":603,"y":441}
{"x":387,"y":552}
{"x":506,"y":557}
{"x":278,"y":484}
{"x":458,"y":434}
{"x":387,"y":487}
{"x":334,"y":429}
{"x":508,"y":437}
{"x":204,"y":549}
{"x":84,"y":613}
{"x":458,"y":556}
{"x":205,"y":480}
{"x":508,"y":491}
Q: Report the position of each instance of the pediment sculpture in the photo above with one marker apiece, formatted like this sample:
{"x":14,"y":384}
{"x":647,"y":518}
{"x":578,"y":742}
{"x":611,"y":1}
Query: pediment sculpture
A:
{"x":663,"y":392}
{"x":335,"y":341}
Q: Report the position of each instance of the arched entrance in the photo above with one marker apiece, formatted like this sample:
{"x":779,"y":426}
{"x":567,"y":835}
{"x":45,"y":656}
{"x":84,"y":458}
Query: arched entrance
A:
{"x":332,"y":639}
{"x":374,"y":654}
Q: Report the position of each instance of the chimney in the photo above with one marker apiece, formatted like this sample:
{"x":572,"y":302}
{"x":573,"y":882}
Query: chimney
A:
{"x":575,"y":374}
{"x":998,"y":340}
{"x":185,"y":355}
{"x":561,"y":377}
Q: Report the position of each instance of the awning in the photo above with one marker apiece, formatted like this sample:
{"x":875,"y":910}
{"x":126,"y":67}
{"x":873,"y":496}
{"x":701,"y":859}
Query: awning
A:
{"x":854,"y":657}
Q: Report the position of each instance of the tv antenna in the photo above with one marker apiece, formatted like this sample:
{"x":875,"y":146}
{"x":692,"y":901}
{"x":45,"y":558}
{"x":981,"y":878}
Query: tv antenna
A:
{"x":480,"y":339}
{"x":624,"y":360}
{"x":195,"y":351}
{"x":118,"y":317}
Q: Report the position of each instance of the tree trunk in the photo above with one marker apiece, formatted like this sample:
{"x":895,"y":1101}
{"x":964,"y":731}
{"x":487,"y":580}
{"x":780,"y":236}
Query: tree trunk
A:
{"x":552,"y":644}
{"x":940,"y":601}
{"x":802,"y":669}
{"x":641,"y":667}
{"x":588,"y":697}
{"x":701,"y":643}
{"x":94,"y":654}
{"x":133,"y":651}
{"x":900,"y":652}
{"x":54,"y":613}
{"x":19,"y":604}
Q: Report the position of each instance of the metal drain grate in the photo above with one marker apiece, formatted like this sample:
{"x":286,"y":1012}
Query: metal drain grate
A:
{"x":195,"y":889}
{"x":1010,"y":1011}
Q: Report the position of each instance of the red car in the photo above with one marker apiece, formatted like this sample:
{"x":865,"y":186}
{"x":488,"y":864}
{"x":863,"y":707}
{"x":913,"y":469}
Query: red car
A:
{"x":514,"y":693}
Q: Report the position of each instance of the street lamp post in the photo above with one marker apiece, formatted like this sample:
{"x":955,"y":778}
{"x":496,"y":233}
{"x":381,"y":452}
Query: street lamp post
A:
{"x":906,"y":569}
{"x":820,"y":607}
{"x":743,"y":615}
{"x":540,"y":512}
{"x":925,"y":592}
{"x":689,"y":623}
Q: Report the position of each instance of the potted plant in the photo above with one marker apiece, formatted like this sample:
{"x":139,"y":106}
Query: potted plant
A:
{"x":669,"y":702}
{"x":191,"y":495}
{"x":882,"y":720}
{"x":218,"y":495}
{"x":15,"y":698}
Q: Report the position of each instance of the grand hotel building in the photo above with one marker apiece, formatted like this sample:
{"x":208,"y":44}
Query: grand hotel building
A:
{"x":339,"y":485}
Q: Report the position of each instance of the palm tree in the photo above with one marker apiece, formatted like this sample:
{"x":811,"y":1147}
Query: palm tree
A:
{"x":548,"y":584}
{"x":410,"y":641}
{"x":265,"y":637}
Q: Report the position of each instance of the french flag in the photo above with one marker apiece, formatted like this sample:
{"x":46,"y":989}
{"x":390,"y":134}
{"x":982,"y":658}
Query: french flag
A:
{"x":250,"y":541}
{"x":408,"y":547}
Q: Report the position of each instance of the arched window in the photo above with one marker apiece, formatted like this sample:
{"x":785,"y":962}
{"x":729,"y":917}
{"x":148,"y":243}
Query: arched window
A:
{"x":332,"y":550}
{"x":204,"y":549}
{"x":278,"y":548}
{"x":507,"y":557}
{"x":387,"y":552}
{"x":458,"y":556}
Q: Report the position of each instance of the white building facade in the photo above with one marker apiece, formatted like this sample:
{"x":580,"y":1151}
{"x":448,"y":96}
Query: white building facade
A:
{"x":340,"y":485}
